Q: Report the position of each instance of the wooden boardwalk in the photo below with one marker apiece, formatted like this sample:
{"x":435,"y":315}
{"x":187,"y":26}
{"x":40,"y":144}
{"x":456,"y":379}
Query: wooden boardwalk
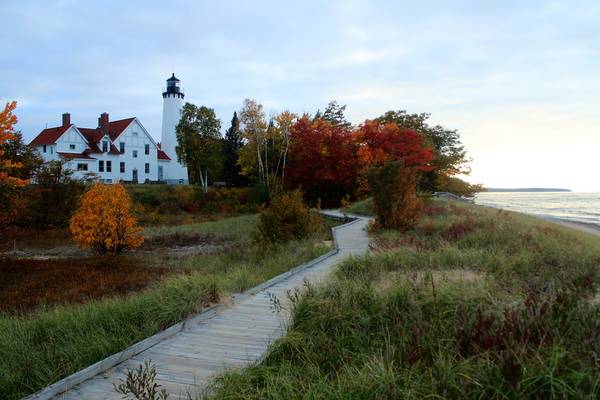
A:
{"x":231,"y":337}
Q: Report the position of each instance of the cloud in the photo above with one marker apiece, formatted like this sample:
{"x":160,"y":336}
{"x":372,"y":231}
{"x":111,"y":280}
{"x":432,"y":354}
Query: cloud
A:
{"x":513,"y":77}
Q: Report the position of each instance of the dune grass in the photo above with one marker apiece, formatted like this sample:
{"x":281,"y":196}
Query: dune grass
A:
{"x":41,"y":347}
{"x":473,"y":303}
{"x":363,"y":207}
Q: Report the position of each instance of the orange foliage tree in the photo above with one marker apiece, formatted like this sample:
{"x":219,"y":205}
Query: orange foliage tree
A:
{"x":379,"y":143}
{"x":7,"y":123}
{"x":104,"y":221}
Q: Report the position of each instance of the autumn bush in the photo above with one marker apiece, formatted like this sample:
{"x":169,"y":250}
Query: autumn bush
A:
{"x":395,"y":199}
{"x":50,"y":202}
{"x":104,"y":221}
{"x":286,"y":218}
{"x":153,"y":202}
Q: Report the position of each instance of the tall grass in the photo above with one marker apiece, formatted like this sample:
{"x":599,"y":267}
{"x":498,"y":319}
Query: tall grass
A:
{"x":39,"y":348}
{"x":473,"y":303}
{"x":238,"y":228}
{"x":363,"y":207}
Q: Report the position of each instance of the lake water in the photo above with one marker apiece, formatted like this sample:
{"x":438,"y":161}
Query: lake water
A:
{"x":571,"y":206}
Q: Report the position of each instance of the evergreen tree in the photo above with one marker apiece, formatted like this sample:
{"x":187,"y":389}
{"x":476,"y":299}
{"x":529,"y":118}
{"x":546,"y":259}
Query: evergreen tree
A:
{"x":334,"y":113}
{"x":232,"y":143}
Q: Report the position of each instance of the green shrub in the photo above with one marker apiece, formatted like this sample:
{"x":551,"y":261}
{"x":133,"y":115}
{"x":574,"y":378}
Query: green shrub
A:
{"x":286,"y":218}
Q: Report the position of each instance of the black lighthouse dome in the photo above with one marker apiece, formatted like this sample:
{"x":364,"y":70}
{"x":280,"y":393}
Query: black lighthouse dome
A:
{"x":173,"y":88}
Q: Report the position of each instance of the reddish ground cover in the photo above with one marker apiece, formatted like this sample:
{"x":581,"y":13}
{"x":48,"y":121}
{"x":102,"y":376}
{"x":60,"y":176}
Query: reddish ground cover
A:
{"x":28,"y":283}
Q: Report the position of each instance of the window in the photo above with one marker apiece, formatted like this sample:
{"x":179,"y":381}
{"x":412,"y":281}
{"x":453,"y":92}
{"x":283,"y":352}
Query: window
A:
{"x":122,"y":167}
{"x":135,"y":154}
{"x":122,"y":147}
{"x":100,"y":166}
{"x":81,"y":167}
{"x":72,"y":147}
{"x":109,"y":166}
{"x":104,"y":146}
{"x":134,"y":133}
{"x":147,"y":168}
{"x":146,"y":149}
{"x":44,"y":148}
{"x":51,"y":149}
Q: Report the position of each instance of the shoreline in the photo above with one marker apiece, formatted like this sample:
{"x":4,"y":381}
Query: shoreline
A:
{"x":586,"y":227}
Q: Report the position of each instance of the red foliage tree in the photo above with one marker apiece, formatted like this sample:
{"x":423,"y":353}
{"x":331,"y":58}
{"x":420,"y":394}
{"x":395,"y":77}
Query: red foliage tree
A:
{"x":322,"y":160}
{"x":381,"y":142}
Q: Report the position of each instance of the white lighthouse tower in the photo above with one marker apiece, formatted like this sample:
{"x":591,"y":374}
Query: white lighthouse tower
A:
{"x":173,"y":171}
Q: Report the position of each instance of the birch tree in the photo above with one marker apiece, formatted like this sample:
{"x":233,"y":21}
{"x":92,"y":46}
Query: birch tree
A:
{"x":266,"y":148}
{"x":254,"y":132}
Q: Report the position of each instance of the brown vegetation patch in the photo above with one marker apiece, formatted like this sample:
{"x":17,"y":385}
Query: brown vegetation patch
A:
{"x":16,"y":238}
{"x":459,"y":229}
{"x":181,"y":239}
{"x":434,"y":210}
{"x":28,"y":283}
{"x":180,"y":244}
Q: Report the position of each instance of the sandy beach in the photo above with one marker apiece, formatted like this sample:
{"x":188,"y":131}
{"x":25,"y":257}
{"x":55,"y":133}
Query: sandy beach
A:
{"x":580,"y":226}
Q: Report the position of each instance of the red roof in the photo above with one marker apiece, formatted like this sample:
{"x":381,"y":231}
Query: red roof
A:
{"x":113,"y":150}
{"x":83,"y":156}
{"x":92,"y":135}
{"x":115,"y":128}
{"x":161,"y":155}
{"x":49,"y":135}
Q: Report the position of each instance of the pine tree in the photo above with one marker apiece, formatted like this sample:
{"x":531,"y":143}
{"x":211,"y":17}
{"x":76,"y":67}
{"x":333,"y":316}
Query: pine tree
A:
{"x":232,"y":144}
{"x":334,"y":113}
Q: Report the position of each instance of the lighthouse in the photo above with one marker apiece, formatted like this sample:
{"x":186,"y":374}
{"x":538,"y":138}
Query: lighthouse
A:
{"x":173,"y":171}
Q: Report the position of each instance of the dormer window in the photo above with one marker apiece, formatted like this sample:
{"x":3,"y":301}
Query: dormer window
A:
{"x":105,"y":146}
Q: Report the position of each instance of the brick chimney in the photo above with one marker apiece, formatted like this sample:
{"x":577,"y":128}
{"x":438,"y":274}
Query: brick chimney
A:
{"x":66,"y":119}
{"x":103,"y":122}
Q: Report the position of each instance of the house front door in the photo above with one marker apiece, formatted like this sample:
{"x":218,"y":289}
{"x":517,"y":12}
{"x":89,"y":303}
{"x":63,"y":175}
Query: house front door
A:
{"x":135,"y":176}
{"x":160,"y":172}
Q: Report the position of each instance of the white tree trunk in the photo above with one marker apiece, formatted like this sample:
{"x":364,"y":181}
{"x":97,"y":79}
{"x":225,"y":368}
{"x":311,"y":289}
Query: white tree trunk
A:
{"x":202,"y":182}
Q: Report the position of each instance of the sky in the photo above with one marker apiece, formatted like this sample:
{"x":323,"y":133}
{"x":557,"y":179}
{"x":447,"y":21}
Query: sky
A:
{"x":519,"y":80}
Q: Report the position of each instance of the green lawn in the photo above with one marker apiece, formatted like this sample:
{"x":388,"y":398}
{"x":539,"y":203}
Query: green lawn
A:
{"x":41,"y":347}
{"x":474,"y":303}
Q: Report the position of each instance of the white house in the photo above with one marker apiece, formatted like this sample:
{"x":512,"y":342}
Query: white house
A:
{"x":120,"y":150}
